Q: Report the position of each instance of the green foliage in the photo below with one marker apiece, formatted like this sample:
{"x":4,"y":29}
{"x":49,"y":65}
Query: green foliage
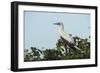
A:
{"x":60,"y":52}
{"x":51,"y":54}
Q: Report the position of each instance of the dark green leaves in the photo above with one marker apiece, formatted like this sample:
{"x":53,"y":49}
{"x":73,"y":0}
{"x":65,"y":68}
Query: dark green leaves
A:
{"x":60,"y":52}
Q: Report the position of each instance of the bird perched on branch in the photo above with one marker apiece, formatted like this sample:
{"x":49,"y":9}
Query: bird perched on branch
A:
{"x":66,"y":38}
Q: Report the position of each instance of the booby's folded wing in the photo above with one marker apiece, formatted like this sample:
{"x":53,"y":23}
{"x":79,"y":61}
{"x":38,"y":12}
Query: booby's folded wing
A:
{"x":67,"y":37}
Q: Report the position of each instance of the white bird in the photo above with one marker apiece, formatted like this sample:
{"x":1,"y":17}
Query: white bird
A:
{"x":66,"y":37}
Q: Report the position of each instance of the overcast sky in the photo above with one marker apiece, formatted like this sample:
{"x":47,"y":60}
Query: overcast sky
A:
{"x":40,"y":32}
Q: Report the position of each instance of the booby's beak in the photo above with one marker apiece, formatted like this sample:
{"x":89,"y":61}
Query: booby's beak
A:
{"x":56,"y":23}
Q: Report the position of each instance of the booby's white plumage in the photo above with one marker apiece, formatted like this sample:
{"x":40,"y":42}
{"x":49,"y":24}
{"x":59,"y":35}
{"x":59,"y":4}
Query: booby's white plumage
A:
{"x":66,"y":36}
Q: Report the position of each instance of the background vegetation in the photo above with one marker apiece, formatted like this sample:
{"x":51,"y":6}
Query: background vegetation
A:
{"x":59,"y":53}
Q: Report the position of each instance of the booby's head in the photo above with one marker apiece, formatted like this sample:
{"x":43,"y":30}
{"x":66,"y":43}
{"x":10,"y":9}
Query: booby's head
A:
{"x":60,"y":24}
